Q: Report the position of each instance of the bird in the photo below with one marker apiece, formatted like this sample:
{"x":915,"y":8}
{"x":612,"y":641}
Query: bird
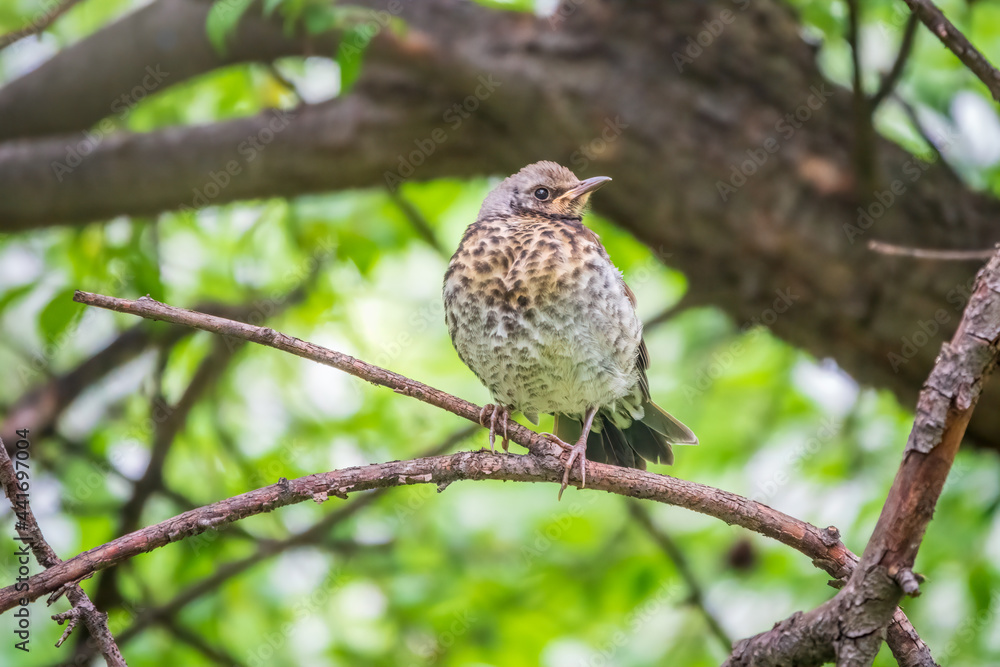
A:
{"x":537,"y":310}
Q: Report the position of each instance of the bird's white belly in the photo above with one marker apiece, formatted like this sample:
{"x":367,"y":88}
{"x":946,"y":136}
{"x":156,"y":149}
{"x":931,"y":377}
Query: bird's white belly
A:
{"x":555,"y":360}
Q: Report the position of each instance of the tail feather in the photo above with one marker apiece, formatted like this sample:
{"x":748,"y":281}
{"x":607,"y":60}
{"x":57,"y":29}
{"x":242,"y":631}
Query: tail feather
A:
{"x":649,"y":444}
{"x":648,"y":439}
{"x":620,"y":450}
{"x":665,"y":424}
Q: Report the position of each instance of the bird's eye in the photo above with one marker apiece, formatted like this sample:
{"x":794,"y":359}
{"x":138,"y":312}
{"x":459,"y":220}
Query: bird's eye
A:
{"x":541,"y":194}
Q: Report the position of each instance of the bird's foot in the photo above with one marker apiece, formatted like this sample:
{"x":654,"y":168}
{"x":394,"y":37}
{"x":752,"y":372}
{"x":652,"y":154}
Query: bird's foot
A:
{"x":495,"y":412}
{"x":576,"y":452}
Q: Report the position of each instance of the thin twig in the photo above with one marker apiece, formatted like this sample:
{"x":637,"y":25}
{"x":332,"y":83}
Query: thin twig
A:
{"x":864,"y":131}
{"x":31,"y":534}
{"x":932,"y":17}
{"x":686,"y":302}
{"x":151,"y":309}
{"x":674,"y":553}
{"x":38,"y":26}
{"x":417,"y":220}
{"x":898,"y":66}
{"x":200,"y":644}
{"x":911,"y":113}
{"x":930,"y":253}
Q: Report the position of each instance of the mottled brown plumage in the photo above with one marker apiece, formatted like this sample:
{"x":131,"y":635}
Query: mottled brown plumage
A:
{"x":539,"y":313}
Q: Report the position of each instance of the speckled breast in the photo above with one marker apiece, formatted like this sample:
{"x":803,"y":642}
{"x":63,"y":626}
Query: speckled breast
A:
{"x":540,"y":314}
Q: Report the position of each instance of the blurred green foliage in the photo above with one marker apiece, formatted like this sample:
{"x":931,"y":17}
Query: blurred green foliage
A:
{"x":482,"y":573}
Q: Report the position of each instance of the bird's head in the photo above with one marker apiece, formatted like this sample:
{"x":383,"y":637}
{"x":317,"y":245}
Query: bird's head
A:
{"x":545,"y":189}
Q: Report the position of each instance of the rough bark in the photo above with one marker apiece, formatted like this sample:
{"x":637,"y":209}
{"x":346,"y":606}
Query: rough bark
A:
{"x":562,"y":83}
{"x":850,"y":627}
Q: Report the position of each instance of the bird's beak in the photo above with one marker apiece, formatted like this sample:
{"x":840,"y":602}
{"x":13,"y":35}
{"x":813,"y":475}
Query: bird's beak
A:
{"x":584,"y":188}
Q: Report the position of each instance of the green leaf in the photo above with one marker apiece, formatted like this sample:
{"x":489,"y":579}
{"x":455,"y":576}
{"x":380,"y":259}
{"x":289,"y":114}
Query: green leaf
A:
{"x":57,"y":315}
{"x":222,"y":20}
{"x":353,"y":43}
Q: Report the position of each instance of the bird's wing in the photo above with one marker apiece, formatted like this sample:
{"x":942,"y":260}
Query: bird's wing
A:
{"x":642,"y":358}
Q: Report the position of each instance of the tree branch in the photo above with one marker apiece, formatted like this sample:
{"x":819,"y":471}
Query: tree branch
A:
{"x":952,"y":38}
{"x":233,"y":330}
{"x":898,"y":66}
{"x":40,"y":407}
{"x":864,"y":130}
{"x":544,"y":464}
{"x":134,"y":64}
{"x":851,"y":626}
{"x":266,"y":550}
{"x":30,"y":533}
{"x":930,"y":253}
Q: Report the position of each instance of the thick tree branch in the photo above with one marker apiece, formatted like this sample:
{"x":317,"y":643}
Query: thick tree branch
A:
{"x":150,"y":50}
{"x":28,"y":530}
{"x":851,"y":626}
{"x":951,"y":37}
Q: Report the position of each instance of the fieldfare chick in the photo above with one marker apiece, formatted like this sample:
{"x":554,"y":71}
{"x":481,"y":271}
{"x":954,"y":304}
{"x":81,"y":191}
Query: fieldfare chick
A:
{"x":539,"y":313}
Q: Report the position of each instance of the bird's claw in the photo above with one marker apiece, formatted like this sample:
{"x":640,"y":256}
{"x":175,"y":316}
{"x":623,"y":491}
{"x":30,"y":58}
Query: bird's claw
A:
{"x":577,"y":451}
{"x":495,"y":412}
